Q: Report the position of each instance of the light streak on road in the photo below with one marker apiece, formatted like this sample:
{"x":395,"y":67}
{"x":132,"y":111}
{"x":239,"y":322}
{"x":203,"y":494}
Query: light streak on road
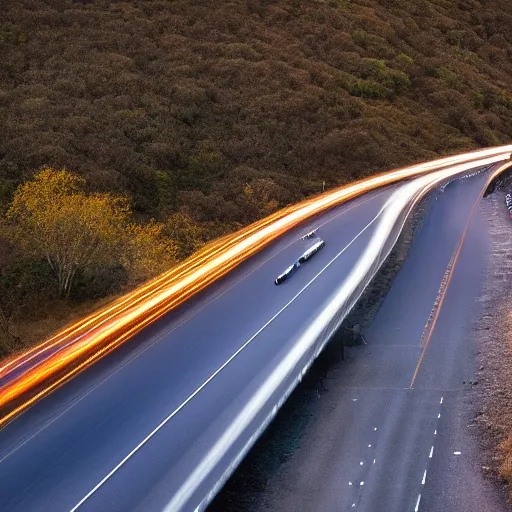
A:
{"x":29,"y":376}
{"x":316,"y":330}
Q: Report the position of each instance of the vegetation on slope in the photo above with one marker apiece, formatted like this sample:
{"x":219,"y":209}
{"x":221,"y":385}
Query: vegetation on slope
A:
{"x":208,"y":115}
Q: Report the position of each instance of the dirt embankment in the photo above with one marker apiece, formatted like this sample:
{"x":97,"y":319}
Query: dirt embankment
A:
{"x":494,"y":337}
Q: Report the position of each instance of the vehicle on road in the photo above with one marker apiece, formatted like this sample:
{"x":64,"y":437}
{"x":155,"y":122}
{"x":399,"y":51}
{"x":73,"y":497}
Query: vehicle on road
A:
{"x":281,"y":278}
{"x":312,"y":251}
{"x":311,"y":234}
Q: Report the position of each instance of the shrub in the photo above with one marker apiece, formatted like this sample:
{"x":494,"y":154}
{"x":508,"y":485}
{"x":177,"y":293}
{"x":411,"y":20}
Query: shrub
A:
{"x":398,"y":81}
{"x":370,"y":89}
{"x":377,"y":70}
{"x":478,"y":99}
{"x":146,"y":252}
{"x":404,"y":60}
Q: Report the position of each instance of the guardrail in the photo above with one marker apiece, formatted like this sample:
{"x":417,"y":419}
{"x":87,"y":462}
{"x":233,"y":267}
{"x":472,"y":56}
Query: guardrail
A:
{"x":35,"y":373}
{"x":225,"y":454}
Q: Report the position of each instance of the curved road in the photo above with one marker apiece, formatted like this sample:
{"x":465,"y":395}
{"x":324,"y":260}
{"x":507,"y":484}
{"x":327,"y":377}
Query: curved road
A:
{"x":392,"y":434}
{"x":126,"y":433}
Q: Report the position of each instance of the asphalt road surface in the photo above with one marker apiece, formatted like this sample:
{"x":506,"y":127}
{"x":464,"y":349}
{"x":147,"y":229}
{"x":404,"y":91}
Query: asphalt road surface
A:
{"x":93,"y":445}
{"x":393,"y":432}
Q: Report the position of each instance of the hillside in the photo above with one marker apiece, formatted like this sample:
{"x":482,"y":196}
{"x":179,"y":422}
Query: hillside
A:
{"x":225,"y":111}
{"x":181,"y":103}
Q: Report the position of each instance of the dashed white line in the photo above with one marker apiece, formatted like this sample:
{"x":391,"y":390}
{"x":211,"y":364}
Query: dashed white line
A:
{"x":424,"y":478}
{"x":375,"y":429}
{"x":362,"y":483}
{"x":417,"y":504}
{"x":374,"y":461}
{"x":456,"y":453}
{"x":431,"y":452}
{"x":435,"y":432}
{"x":369,"y":446}
{"x":439,"y":415}
{"x":441,"y":400}
{"x":350,"y":483}
{"x":361,"y":463}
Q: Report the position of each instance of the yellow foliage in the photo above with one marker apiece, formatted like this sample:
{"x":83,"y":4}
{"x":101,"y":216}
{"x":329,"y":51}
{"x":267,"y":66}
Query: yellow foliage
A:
{"x":185,"y":233}
{"x":147,"y":253}
{"x":52,"y":217}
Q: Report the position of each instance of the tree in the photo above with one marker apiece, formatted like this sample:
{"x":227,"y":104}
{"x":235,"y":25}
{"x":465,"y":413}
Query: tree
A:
{"x":52,"y":217}
{"x":186,"y":234}
{"x":259,"y":199}
{"x":147,"y":252}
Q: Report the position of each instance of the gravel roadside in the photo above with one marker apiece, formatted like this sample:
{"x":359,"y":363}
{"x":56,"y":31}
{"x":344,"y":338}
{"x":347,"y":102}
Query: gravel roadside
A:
{"x":493,"y":333}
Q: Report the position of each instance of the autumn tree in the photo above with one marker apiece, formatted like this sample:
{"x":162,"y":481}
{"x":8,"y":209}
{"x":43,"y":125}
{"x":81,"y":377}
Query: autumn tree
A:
{"x":186,"y":234}
{"x":52,"y":217}
{"x":259,"y":199}
{"x":147,"y":252}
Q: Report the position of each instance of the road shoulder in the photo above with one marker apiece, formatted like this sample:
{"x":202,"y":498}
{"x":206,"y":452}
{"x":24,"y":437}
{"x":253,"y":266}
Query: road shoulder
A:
{"x":493,"y":332}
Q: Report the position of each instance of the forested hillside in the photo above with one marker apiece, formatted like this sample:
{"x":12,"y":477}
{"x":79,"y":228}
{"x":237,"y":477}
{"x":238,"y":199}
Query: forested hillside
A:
{"x":207,"y":114}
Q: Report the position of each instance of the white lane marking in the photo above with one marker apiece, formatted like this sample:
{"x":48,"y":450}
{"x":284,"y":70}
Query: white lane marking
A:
{"x":417,"y":504}
{"x":361,"y":463}
{"x":424,"y":477}
{"x":353,"y":504}
{"x":362,"y":483}
{"x":369,"y":446}
{"x":356,"y":203}
{"x":441,"y":400}
{"x":214,"y":374}
{"x":456,"y":453}
{"x":439,"y":415}
{"x":186,"y":319}
{"x":354,"y":399}
{"x":375,"y":429}
{"x":431,"y":452}
{"x":374,"y":461}
{"x":350,"y":483}
{"x":435,"y":432}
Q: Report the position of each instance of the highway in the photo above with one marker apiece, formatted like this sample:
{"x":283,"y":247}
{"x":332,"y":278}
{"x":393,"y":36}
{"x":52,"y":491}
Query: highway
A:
{"x":58,"y":451}
{"x":126,"y":433}
{"x":393,"y":432}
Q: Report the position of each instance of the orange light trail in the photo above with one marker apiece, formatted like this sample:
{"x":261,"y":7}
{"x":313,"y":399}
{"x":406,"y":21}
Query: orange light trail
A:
{"x":33,"y":374}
